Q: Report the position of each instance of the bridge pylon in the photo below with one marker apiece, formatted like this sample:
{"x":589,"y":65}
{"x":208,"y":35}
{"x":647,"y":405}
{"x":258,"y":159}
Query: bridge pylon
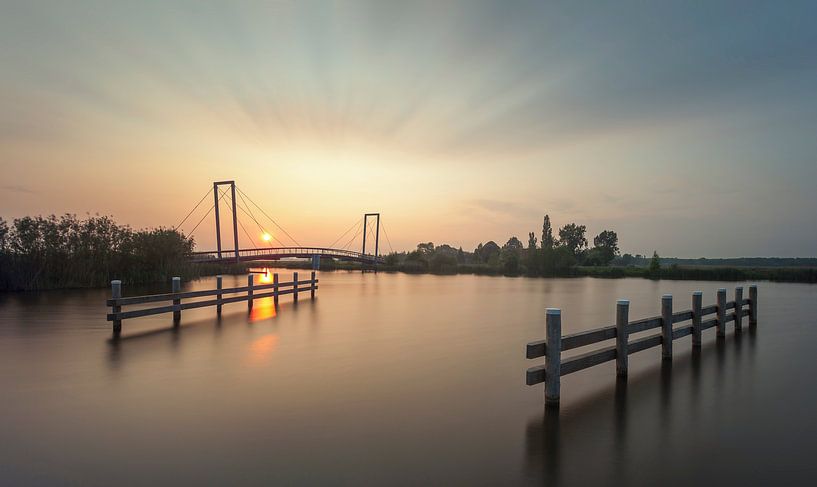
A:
{"x":217,"y":197}
{"x":366,"y":217}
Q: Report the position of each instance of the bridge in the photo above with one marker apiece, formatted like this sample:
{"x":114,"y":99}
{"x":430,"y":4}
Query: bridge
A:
{"x":237,"y":200}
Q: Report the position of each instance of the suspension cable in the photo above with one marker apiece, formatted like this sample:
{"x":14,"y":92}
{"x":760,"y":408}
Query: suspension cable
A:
{"x":345,"y":247}
{"x":388,"y":240}
{"x":354,"y":225}
{"x":212,"y":207}
{"x":242,"y":227}
{"x":269,"y":217}
{"x":260,"y":227}
{"x":195,"y":208}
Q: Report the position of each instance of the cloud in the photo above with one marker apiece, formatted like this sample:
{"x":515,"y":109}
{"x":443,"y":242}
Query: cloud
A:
{"x":16,"y":188}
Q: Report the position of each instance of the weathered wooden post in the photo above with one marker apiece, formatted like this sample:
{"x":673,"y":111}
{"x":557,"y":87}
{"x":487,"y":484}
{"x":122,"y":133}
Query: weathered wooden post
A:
{"x":738,"y":309}
{"x":116,"y":293}
{"x":697,"y":299}
{"x":250,"y":280}
{"x":622,"y":319}
{"x":218,"y":296}
{"x":295,"y":287}
{"x":753,"y":306}
{"x":666,"y":327}
{"x":312,"y":289}
{"x":177,"y":287}
{"x":721,"y":313}
{"x":553,"y":355}
{"x":275,"y":289}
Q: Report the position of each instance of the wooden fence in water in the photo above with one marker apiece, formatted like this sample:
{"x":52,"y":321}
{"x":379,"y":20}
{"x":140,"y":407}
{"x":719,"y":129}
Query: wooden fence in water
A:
{"x":554,"y":344}
{"x":246,"y":293}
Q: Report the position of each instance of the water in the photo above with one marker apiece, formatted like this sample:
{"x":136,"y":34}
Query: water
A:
{"x":399,"y":379}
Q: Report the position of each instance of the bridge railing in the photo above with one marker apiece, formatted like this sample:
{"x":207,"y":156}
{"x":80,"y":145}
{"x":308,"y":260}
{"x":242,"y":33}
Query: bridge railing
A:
{"x":552,"y":347}
{"x":246,"y":293}
{"x":204,"y":256}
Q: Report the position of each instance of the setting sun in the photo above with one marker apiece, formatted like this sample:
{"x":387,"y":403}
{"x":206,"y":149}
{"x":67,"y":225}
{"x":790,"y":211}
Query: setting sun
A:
{"x":266,"y":237}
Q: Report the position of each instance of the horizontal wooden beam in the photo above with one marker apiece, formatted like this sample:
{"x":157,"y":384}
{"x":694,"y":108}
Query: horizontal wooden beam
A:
{"x":709,"y":310}
{"x":643,"y":344}
{"x":536,"y":349}
{"x":643,"y":325}
{"x":123,"y":315}
{"x":681,"y":332}
{"x":589,"y":359}
{"x":588,"y":337}
{"x":153,"y":298}
{"x":681,"y":316}
{"x":535,"y":375}
{"x":705,"y":325}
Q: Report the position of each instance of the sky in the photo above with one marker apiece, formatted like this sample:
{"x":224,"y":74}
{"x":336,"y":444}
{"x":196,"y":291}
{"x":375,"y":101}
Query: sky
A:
{"x":689,"y":128}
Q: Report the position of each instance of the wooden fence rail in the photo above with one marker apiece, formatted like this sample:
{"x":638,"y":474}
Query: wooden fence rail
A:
{"x":554,"y":343}
{"x":247,"y":293}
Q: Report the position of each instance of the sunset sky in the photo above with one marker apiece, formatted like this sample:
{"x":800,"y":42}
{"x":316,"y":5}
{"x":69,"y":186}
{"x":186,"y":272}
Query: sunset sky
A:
{"x":688,"y":130}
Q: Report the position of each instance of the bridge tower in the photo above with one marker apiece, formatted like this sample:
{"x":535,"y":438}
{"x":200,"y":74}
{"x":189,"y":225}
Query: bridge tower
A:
{"x":366,"y":217}
{"x":216,"y":184}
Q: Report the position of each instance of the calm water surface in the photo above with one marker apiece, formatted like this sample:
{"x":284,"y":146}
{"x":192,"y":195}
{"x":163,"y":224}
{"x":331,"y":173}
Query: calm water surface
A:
{"x":399,"y":379}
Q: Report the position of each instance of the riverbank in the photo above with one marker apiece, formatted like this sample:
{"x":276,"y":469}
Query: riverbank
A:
{"x":680,"y":273}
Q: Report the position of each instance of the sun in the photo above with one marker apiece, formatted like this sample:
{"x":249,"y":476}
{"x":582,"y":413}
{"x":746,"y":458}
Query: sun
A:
{"x":266,"y":237}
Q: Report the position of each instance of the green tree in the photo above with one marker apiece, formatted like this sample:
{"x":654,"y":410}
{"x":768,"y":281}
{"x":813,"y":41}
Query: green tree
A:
{"x":486,"y":253}
{"x":655,"y":264}
{"x":425,"y":248}
{"x":532,"y":259}
{"x":547,"y":234}
{"x":571,"y":236}
{"x":605,"y":247}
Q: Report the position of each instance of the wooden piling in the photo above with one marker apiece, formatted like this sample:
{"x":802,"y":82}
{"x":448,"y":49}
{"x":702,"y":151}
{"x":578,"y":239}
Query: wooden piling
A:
{"x":553,"y":356}
{"x":721,"y":313}
{"x":697,"y":305}
{"x":250,"y":281}
{"x":666,"y":327}
{"x":176,"y":288}
{"x":219,"y":295}
{"x":116,"y":293}
{"x":622,"y":319}
{"x":294,"y":287}
{"x":738,"y":309}
{"x":275,"y":289}
{"x":312,"y":288}
{"x":753,"y":306}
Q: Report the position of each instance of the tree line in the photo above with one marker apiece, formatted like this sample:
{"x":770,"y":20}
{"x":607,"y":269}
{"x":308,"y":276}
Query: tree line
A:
{"x":66,"y":251}
{"x":546,"y":256}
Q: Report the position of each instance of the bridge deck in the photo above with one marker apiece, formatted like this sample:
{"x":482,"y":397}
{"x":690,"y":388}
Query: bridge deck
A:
{"x":276,"y":253}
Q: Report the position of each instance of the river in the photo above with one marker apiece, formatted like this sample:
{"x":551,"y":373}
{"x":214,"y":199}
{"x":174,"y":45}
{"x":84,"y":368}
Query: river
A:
{"x":396,"y":379}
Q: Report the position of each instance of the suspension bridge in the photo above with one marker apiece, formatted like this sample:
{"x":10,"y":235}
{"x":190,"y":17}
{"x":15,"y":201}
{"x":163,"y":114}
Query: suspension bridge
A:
{"x":362,"y":232}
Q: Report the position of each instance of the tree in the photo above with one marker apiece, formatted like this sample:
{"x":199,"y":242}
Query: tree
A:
{"x":571,"y":236}
{"x":608,"y":240}
{"x":532,"y":259}
{"x":484,"y":253}
{"x":655,"y":263}
{"x":513,"y":243}
{"x":547,"y":234}
{"x":605,"y":247}
{"x":425,"y":248}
